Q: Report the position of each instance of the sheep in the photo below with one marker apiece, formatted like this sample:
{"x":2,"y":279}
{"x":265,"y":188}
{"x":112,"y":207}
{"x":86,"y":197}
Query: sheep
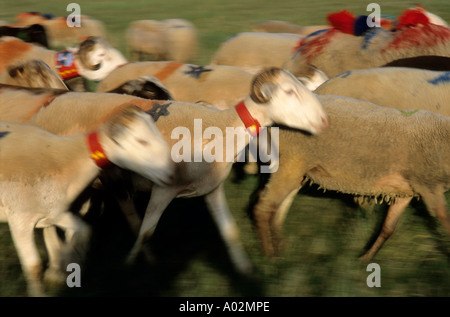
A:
{"x":59,"y":34}
{"x":219,"y":85}
{"x":276,"y":26}
{"x":94,"y":59}
{"x":32,"y":73}
{"x":171,"y":39}
{"x":401,"y":88}
{"x":369,"y":151}
{"x":41,"y":174}
{"x":274,"y":96}
{"x":255,"y":50}
{"x":335,"y":52}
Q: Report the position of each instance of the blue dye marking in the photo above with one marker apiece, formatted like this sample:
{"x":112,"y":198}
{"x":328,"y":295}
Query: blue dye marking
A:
{"x":316,"y":33}
{"x":368,"y":37}
{"x":197,"y":71}
{"x":3,"y":134}
{"x":344,"y":74}
{"x":445,"y":77}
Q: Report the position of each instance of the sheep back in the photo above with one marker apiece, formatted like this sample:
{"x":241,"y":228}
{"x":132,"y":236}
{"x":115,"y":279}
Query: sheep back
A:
{"x":372,"y":151}
{"x":335,"y":52}
{"x":255,"y":50}
{"x":397,"y":87}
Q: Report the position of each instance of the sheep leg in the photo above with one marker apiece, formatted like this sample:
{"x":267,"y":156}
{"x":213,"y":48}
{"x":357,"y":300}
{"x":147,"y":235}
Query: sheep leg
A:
{"x":392,"y":217}
{"x":437,"y":207}
{"x":217,"y":205}
{"x":278,"y":220}
{"x":129,"y":211}
{"x":54,"y":248}
{"x":273,"y":204}
{"x":134,"y":220}
{"x":159,"y":200}
{"x":23,"y":237}
{"x":77,"y":236}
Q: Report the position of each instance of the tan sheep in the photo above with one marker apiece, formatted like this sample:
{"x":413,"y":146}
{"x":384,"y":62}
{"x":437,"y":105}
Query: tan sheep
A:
{"x":397,"y":87}
{"x":93,"y":59}
{"x":277,"y":26}
{"x":255,"y":50}
{"x":218,"y":85}
{"x":32,"y":73}
{"x":368,"y":151}
{"x":41,"y":174}
{"x":335,"y":52}
{"x":59,"y":34}
{"x":171,"y":39}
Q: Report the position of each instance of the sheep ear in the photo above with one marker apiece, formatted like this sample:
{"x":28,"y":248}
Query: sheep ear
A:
{"x":267,"y":90}
{"x":85,"y":48}
{"x":15,"y":71}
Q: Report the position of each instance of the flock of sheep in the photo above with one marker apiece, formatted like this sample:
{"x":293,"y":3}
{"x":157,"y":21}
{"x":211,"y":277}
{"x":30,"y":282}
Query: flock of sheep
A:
{"x":365,"y":114}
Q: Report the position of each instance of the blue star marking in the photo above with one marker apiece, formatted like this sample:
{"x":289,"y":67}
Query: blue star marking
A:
{"x":3,"y":134}
{"x":197,"y":71}
{"x":445,"y":77}
{"x":159,"y":110}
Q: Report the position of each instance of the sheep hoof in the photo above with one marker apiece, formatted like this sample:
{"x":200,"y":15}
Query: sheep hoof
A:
{"x":365,"y":257}
{"x":54,"y":277}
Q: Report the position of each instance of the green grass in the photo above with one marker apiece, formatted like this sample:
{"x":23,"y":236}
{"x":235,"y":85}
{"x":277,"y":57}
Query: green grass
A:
{"x":324,"y":235}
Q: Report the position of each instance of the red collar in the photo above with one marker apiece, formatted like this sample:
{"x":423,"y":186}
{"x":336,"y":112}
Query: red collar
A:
{"x":97,"y":152}
{"x":250,"y":123}
{"x":65,"y":64}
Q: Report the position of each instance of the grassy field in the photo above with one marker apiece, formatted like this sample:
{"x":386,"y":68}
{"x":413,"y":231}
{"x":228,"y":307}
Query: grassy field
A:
{"x":325,"y":234}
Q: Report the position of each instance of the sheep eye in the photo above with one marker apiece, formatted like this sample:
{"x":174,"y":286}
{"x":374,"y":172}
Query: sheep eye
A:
{"x":290,"y":91}
{"x":143,"y":142}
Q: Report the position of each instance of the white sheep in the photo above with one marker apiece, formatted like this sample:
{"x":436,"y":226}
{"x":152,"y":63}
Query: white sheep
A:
{"x":32,"y":73}
{"x":218,"y":85}
{"x":274,"y":96}
{"x":171,"y":39}
{"x":335,"y":52}
{"x":368,"y":151}
{"x":401,"y":88}
{"x":94,"y":59}
{"x":277,"y":26}
{"x":41,"y":174}
{"x":255,"y":50}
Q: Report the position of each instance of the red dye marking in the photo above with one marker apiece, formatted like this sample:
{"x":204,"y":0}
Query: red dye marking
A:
{"x":315,"y":46}
{"x":167,"y":70}
{"x":412,"y":17}
{"x":420,"y":36}
{"x":49,"y":100}
{"x":300,"y":44}
{"x":11,"y":50}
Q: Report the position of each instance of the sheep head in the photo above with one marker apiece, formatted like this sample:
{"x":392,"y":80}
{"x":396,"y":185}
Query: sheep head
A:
{"x":34,"y":73}
{"x":132,"y":141}
{"x":96,"y":58}
{"x":287,"y":101}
